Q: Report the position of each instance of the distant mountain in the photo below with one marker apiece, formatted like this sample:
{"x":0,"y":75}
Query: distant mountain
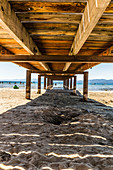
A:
{"x":93,"y":81}
{"x":101,"y":81}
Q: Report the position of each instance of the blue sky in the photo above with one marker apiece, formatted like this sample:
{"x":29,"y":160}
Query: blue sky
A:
{"x":13,"y":71}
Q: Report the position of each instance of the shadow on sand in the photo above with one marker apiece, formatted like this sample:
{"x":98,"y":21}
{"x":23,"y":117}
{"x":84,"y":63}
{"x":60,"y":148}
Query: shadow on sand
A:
{"x":57,"y":130}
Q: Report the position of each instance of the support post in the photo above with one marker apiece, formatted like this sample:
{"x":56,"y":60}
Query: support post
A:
{"x":28,"y":84}
{"x":51,"y":83}
{"x":39,"y":84}
{"x":74,"y":84}
{"x":64,"y":84}
{"x":85,"y":86}
{"x":71,"y":83}
{"x":44,"y":82}
{"x":68,"y":84}
{"x":47,"y":83}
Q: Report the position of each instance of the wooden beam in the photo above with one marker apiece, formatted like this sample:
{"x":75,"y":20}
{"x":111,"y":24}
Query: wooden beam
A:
{"x":26,"y":65}
{"x":10,"y":22}
{"x":56,"y":72}
{"x":71,"y":83}
{"x":68,"y":83}
{"x":74,"y":84}
{"x":53,"y":77}
{"x":92,"y":13}
{"x":85,"y":86}
{"x":44,"y":82}
{"x":28,"y":84}
{"x":66,"y":67}
{"x":47,"y":83}
{"x":49,"y":1}
{"x":39,"y":84}
{"x":57,"y":59}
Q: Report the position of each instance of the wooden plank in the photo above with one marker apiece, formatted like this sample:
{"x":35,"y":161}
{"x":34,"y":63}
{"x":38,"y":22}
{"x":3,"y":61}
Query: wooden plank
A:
{"x":10,"y":22}
{"x":26,"y":65}
{"x":49,"y":17}
{"x":56,"y":72}
{"x":66,"y":67}
{"x":54,"y":45}
{"x":48,"y":0}
{"x":53,"y":41}
{"x":58,"y":77}
{"x":48,"y":7}
{"x":51,"y":26}
{"x":53,"y":37}
{"x":109,"y":9}
{"x":57,"y":58}
{"x":36,"y":33}
{"x":92,"y":13}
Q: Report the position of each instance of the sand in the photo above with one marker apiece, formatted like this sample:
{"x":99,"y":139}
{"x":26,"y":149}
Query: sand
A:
{"x":56,"y":131}
{"x":10,"y":98}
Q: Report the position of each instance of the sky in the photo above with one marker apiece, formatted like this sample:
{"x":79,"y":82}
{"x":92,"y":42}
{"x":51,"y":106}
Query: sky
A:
{"x":10,"y":71}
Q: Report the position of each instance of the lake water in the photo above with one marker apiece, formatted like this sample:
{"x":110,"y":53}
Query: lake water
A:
{"x":57,"y":84}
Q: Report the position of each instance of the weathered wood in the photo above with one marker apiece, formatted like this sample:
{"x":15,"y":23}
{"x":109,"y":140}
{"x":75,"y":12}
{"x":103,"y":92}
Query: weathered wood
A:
{"x":68,"y":83}
{"x":39,"y":84}
{"x":57,"y":72}
{"x":92,"y":13}
{"x":47,"y":83}
{"x":57,"y":77}
{"x":10,"y":22}
{"x":57,"y":59}
{"x":51,"y":83}
{"x":50,"y":17}
{"x":44,"y":82}
{"x":48,"y":1}
{"x":85,"y":87}
{"x":51,"y":26}
{"x":28,"y":84}
{"x":66,"y":67}
{"x":71,"y":83}
{"x":53,"y":33}
{"x":74,"y":84}
{"x":64,"y":84}
{"x":26,"y":65}
{"x":48,"y":7}
{"x":53,"y":37}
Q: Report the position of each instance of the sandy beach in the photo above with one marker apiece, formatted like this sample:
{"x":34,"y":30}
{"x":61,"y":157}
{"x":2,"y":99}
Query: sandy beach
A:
{"x":10,"y":98}
{"x":56,"y":131}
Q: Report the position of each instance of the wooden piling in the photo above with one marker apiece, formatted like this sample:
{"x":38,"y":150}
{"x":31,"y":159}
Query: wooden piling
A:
{"x":28,"y":84}
{"x":85,"y":87}
{"x":71,"y":83}
{"x":47,"y":83}
{"x":51,"y":83}
{"x":44,"y":82}
{"x":39,"y":84}
{"x":64,"y":84}
{"x":74,"y":84}
{"x":68,"y":84}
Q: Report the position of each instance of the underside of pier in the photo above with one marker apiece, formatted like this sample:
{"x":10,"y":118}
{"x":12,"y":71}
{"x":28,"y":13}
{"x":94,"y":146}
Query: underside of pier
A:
{"x":56,"y":38}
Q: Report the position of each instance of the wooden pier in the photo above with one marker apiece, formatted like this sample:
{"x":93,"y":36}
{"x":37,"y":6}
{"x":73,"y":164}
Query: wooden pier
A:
{"x":57,"y":39}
